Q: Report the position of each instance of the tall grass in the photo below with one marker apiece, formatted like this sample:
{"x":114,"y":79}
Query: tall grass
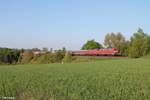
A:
{"x":105,"y":80}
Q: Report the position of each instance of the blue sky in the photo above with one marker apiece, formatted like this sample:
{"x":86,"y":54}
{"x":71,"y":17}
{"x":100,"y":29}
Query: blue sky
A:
{"x":69,"y":23}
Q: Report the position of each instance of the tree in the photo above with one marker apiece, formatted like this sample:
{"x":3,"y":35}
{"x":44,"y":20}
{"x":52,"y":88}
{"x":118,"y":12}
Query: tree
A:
{"x":45,"y":49}
{"x":139,"y":45}
{"x":116,"y":41}
{"x":124,"y":48}
{"x":113,"y":40}
{"x":147,"y":45}
{"x":109,"y":38}
{"x":64,"y":49}
{"x":91,"y":44}
{"x":35,"y":49}
{"x":9,"y":56}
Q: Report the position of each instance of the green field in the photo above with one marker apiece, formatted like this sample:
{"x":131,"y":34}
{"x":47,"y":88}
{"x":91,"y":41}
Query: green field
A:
{"x":127,"y":79}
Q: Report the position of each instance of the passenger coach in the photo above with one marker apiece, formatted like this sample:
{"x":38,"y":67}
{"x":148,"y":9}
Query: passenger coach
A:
{"x":96,"y":52}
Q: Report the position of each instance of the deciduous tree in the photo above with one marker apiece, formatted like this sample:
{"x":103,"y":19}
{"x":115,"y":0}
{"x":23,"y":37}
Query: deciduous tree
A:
{"x":91,"y":44}
{"x":140,"y":44}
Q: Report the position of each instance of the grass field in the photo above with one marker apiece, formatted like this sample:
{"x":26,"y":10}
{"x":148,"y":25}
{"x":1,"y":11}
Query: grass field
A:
{"x":127,"y":79}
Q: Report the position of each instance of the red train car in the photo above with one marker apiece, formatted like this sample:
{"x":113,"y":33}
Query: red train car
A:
{"x":96,"y":52}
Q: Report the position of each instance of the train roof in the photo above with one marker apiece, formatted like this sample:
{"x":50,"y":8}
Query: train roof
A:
{"x":92,"y":50}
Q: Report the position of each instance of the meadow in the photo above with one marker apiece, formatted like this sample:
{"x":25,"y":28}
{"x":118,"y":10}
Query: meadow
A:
{"x":124,"y":79}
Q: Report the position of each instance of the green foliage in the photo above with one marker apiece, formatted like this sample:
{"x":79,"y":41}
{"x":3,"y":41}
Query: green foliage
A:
{"x":91,"y":44}
{"x":9,"y":56}
{"x":49,"y":57}
{"x":124,"y":48}
{"x":64,"y":50}
{"x":117,"y":41}
{"x":67,"y":58}
{"x":43,"y":59}
{"x":113,"y":40}
{"x":58,"y":56}
{"x":109,"y":39}
{"x":146,"y":45}
{"x":140,"y":44}
{"x":104,"y":80}
{"x":35,"y":49}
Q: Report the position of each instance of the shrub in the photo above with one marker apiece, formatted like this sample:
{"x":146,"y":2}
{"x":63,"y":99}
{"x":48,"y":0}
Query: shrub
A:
{"x":57,"y":57}
{"x":67,"y":58}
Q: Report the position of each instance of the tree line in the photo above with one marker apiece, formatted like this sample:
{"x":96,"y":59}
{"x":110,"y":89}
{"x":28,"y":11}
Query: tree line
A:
{"x":137,"y":46}
{"x":9,"y":55}
{"x":26,"y":56}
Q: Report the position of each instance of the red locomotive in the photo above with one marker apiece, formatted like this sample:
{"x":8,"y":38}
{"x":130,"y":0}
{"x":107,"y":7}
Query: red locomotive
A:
{"x":96,"y":52}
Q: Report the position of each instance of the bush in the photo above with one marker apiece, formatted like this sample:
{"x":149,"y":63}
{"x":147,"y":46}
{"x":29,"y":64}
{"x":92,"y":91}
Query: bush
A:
{"x":67,"y":58}
{"x":48,"y":58}
{"x":57,"y":57}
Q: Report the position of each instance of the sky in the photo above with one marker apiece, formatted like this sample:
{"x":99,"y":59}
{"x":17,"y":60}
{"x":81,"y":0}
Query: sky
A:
{"x":68,"y":23}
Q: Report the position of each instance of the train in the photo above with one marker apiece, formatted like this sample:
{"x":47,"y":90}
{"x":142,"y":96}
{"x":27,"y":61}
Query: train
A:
{"x":96,"y":52}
